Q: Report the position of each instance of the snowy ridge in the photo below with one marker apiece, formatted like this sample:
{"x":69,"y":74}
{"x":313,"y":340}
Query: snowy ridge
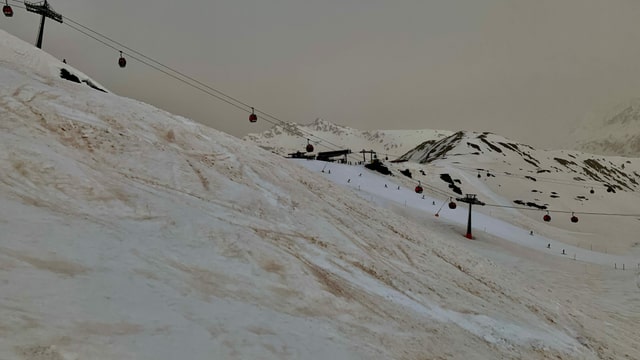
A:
{"x":288,"y":139}
{"x":127,"y":232}
{"x":614,"y":173}
{"x":617,"y":133}
{"x":35,"y":61}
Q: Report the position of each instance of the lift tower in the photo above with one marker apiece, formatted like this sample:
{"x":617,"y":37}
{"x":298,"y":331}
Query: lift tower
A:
{"x":471,"y":200}
{"x":46,"y":11}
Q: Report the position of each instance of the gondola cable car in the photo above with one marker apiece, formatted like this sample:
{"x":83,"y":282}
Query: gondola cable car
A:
{"x":253,"y":117}
{"x":574,"y":218}
{"x":122,"y":62}
{"x":419,"y":188}
{"x":452,"y":204}
{"x":7,"y":10}
{"x":546,"y":217}
{"x":309,"y":146}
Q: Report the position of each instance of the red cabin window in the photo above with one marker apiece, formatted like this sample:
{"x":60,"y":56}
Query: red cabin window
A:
{"x":7,"y":11}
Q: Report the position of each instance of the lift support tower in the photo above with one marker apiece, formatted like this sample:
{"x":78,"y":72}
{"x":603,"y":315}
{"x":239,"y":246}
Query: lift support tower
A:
{"x":46,"y":11}
{"x":471,"y":200}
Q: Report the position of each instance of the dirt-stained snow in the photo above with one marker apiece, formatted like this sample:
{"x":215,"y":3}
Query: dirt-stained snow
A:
{"x":130,"y":233}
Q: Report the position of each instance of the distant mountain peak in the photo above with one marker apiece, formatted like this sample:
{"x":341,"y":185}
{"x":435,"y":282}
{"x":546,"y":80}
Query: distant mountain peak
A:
{"x":330,"y":136}
{"x":616,"y":133}
{"x":629,"y":115}
{"x":320,"y":124}
{"x":473,"y":149}
{"x":463,"y":143}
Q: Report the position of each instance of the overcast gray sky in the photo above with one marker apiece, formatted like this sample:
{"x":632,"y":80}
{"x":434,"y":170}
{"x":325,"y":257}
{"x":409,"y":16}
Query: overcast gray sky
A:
{"x":528,"y":70}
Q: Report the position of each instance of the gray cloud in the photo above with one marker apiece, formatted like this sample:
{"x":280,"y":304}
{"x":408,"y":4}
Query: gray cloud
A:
{"x":529,"y":70}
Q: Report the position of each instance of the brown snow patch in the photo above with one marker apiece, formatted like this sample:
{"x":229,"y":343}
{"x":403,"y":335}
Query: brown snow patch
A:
{"x":273,"y":267}
{"x":170,"y":136}
{"x":284,"y":292}
{"x":108,"y":329}
{"x":207,"y":282}
{"x":259,"y":330}
{"x":203,"y":180}
{"x":19,"y":167}
{"x":331,"y":283}
{"x":384,"y":278}
{"x":39,"y":352}
{"x":58,"y":266}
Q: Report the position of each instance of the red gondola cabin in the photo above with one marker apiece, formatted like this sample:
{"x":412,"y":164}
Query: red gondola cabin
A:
{"x":122,"y":62}
{"x":7,"y":11}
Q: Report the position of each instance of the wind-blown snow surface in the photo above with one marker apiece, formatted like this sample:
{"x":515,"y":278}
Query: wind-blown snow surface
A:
{"x":130,"y":233}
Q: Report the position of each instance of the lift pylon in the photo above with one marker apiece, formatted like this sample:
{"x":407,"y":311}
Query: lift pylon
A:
{"x":471,"y":200}
{"x":46,"y":11}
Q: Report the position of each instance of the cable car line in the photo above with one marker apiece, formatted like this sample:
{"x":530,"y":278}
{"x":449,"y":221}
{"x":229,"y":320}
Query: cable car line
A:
{"x":160,"y":64}
{"x":169,"y":71}
{"x":215,"y":95}
{"x":172,"y":73}
{"x":276,"y":121}
{"x":564,"y":211}
{"x":253,"y":110}
{"x":156,"y":65}
{"x":229,"y":99}
{"x":159,"y":69}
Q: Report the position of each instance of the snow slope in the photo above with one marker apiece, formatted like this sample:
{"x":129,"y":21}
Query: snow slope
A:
{"x":38,"y":63}
{"x":130,"y":233}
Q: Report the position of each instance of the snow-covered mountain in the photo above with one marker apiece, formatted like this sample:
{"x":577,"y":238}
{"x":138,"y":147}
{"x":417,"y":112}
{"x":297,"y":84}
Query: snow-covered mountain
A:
{"x":573,"y":166}
{"x":127,"y":232}
{"x":327,"y":136}
{"x":515,"y":174}
{"x":616,"y":133}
